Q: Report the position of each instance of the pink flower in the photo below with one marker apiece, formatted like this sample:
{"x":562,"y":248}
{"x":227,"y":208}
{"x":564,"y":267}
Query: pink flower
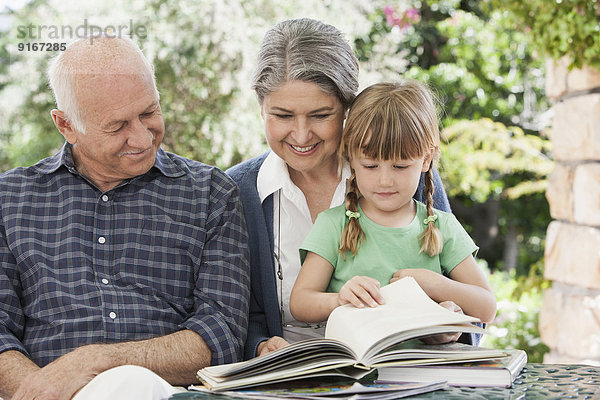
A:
{"x":402,"y":21}
{"x":412,"y":14}
{"x":389,"y":15}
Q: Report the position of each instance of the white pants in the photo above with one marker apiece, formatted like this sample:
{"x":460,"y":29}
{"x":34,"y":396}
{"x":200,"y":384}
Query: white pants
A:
{"x":128,"y":382}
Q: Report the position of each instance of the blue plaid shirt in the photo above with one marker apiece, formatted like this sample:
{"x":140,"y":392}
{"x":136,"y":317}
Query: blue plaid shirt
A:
{"x":161,"y":252}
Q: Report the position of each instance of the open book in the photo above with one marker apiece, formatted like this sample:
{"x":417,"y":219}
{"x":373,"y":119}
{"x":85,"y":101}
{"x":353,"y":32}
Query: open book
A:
{"x":491,"y":373}
{"x":358,"y":340}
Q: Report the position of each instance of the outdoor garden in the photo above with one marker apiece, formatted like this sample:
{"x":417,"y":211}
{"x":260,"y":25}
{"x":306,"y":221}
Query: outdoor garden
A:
{"x":485,"y":60}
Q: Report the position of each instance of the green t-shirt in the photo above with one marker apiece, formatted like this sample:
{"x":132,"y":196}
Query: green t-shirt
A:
{"x":385,"y":250}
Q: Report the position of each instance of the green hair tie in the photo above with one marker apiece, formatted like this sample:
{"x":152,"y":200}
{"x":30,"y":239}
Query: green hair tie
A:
{"x":429,"y":219}
{"x":352,"y":214}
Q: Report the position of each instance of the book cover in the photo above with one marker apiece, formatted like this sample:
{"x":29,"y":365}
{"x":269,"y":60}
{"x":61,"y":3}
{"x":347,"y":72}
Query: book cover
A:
{"x":490,"y":373}
{"x":312,"y":390}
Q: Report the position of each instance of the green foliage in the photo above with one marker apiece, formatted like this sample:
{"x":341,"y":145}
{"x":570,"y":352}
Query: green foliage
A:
{"x":483,"y":70}
{"x":559,"y":28}
{"x":203,"y":51}
{"x":196,"y":70}
{"x":28,"y":135}
{"x":496,"y":177}
{"x":519,"y":301}
{"x":477,"y":59}
{"x":479,"y":64}
{"x":193,"y":70}
{"x":483,"y":159}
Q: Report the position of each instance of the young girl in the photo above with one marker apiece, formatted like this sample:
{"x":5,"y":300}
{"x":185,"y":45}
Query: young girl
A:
{"x":381,"y":234}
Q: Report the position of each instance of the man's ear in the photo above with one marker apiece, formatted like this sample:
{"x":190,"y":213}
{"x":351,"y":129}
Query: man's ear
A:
{"x":64,"y":126}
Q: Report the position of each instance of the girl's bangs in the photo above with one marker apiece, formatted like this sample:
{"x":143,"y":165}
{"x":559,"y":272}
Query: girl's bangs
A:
{"x":391,"y":137}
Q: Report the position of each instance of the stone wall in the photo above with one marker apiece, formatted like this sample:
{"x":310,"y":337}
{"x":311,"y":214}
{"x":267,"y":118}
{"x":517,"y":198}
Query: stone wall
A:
{"x":570,"y":316}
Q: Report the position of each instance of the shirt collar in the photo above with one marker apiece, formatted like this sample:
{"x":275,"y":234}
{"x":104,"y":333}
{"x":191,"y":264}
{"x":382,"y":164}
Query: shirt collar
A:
{"x":346,"y":171}
{"x":166,"y":165}
{"x":53,"y":163}
{"x":274,"y":175}
{"x":65,"y":157}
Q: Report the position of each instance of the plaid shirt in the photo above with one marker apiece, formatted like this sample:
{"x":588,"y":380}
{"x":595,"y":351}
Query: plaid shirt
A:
{"x":161,"y":252}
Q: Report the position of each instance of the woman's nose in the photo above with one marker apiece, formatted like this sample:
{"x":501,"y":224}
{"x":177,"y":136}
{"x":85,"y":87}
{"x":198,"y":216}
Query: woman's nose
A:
{"x":302,"y":131}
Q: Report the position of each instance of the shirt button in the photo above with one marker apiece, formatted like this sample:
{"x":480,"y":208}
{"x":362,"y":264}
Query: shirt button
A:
{"x":101,"y":240}
{"x":105,"y":281}
{"x":104,"y":197}
{"x":112,"y":315}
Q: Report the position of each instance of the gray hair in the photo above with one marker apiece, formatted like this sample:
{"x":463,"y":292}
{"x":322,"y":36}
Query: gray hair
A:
{"x":64,"y":68}
{"x":310,"y":51}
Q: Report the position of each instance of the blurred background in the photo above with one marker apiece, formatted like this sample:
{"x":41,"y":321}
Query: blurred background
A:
{"x":480,"y":57}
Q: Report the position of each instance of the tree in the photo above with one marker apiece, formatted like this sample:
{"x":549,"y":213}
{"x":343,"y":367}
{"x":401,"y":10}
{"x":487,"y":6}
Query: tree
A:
{"x":559,"y":28}
{"x":496,"y":179}
{"x":195,"y":71}
{"x":203,"y":51}
{"x":26,"y":129}
{"x":481,"y":68}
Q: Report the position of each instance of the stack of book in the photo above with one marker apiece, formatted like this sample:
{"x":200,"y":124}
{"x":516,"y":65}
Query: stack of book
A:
{"x":360,"y":340}
{"x":500,"y":372}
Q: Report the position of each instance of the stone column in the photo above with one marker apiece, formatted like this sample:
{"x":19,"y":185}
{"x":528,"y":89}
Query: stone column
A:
{"x":570,"y":316}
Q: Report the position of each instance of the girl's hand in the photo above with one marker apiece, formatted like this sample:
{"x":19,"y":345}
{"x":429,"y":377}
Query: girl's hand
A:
{"x":360,"y":291}
{"x":427,"y":279}
{"x":421,"y":275}
{"x":442,"y":338}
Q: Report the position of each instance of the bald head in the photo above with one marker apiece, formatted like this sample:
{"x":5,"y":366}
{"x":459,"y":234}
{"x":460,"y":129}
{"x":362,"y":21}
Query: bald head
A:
{"x":93,"y":58}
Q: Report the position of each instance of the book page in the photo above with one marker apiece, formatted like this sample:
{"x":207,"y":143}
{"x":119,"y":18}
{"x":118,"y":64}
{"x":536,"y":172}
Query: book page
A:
{"x":335,"y":368}
{"x":450,"y":352}
{"x":407,"y":307}
{"x":279,"y":359}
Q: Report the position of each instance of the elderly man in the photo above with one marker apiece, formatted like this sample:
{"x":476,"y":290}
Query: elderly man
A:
{"x":114,"y":252}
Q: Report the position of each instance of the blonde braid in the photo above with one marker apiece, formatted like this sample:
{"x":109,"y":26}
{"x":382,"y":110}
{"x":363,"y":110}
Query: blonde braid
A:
{"x":431,"y":238}
{"x":353,"y":235}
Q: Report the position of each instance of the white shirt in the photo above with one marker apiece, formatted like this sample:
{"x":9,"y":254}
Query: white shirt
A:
{"x":274,"y":178}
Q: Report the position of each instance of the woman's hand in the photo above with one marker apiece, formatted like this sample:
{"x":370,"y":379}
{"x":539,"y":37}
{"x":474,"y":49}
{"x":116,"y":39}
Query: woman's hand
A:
{"x":272,"y":344}
{"x":360,"y":291}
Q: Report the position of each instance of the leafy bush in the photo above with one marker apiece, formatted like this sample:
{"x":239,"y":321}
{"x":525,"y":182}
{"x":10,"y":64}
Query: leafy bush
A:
{"x":495,"y":163}
{"x":560,"y":28}
{"x":519,"y":301}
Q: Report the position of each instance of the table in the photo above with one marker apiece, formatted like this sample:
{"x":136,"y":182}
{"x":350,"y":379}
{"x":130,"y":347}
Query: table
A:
{"x":536,"y":381}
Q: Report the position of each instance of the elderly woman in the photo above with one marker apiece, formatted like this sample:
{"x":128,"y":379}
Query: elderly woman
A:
{"x":305,"y":79}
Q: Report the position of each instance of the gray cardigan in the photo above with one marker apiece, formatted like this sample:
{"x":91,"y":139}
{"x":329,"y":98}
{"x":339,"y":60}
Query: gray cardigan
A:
{"x":265,"y":316}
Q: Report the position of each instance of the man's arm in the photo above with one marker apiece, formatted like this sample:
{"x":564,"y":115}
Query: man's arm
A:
{"x":223,"y":284}
{"x":215,"y":331}
{"x":175,"y":357}
{"x":14,"y":364}
{"x":14,"y":367}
